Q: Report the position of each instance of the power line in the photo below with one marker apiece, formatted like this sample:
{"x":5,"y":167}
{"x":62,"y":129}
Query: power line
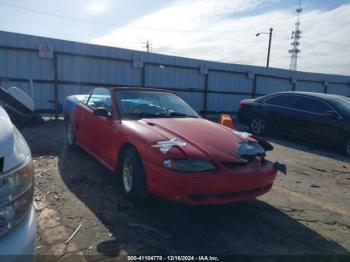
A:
{"x":297,"y":13}
{"x":326,"y":42}
{"x":111,"y":24}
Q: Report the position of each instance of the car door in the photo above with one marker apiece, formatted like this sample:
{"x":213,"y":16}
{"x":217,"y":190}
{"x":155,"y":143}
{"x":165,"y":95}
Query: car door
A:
{"x":317,"y":124}
{"x":281,"y":113}
{"x":81,"y":126}
{"x":101,"y":132}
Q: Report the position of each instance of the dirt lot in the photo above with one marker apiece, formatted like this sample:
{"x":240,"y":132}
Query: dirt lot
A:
{"x":307,"y":211}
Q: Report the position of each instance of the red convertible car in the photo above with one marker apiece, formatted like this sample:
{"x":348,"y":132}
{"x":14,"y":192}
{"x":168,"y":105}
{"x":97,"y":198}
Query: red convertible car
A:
{"x":161,"y":146}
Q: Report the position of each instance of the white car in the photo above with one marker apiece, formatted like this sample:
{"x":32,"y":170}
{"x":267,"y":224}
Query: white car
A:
{"x":17,"y":215}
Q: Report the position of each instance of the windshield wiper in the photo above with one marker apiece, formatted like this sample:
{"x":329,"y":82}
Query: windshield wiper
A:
{"x":141,"y":115}
{"x":175,"y":114}
{"x":150,"y":115}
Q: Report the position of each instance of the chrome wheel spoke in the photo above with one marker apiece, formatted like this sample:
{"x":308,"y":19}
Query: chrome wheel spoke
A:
{"x":127,"y":175}
{"x":257,"y":126}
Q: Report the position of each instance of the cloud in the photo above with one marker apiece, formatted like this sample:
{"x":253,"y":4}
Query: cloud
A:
{"x":97,"y":7}
{"x":211,"y":30}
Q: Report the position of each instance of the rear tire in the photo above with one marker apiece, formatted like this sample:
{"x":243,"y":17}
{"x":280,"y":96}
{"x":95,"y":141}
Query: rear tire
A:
{"x":258,"y":126}
{"x":70,"y":136}
{"x":133,"y":175}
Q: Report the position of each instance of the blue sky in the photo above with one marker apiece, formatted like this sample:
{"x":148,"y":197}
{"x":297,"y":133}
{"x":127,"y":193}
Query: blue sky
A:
{"x":219,"y":30}
{"x":115,"y":12}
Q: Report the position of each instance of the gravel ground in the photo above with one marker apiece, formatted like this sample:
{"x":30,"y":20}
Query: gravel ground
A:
{"x":306,"y":212}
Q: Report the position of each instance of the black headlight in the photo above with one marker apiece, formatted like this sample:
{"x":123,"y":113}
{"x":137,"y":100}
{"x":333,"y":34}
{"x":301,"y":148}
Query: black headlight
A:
{"x":250,"y":149}
{"x":188,"y":165}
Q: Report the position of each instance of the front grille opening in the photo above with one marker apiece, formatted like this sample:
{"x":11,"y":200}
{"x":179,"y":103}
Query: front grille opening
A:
{"x":198,"y":198}
{"x":2,"y":164}
{"x":259,"y":190}
{"x":234,"y":165}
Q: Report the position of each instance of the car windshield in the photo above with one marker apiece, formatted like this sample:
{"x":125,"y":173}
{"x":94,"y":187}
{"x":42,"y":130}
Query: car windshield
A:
{"x":136,"y":104}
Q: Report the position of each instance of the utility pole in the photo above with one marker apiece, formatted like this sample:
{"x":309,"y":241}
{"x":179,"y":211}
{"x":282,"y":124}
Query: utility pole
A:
{"x":148,"y":46}
{"x":296,"y":35}
{"x":269,"y":47}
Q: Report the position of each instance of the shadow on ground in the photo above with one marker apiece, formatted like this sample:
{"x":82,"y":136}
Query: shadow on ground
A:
{"x":46,"y":138}
{"x":160,"y":227}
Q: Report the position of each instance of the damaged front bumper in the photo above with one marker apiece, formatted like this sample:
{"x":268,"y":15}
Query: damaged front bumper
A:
{"x":281,"y":166}
{"x":250,"y":149}
{"x":222,"y":186}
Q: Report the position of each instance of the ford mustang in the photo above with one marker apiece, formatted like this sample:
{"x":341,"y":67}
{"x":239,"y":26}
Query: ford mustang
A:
{"x":161,"y":146}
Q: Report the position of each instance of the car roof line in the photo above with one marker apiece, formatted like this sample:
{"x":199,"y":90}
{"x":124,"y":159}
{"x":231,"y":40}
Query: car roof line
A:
{"x":142,"y":89}
{"x":311,"y":94}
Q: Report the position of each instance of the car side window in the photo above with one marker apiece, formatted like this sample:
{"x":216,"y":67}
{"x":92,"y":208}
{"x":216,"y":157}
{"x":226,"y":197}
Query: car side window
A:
{"x":312,"y":105}
{"x":100,"y":97}
{"x":282,"y":100}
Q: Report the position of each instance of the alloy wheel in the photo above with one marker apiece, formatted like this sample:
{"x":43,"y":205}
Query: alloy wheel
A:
{"x":258,"y":126}
{"x":127,"y":174}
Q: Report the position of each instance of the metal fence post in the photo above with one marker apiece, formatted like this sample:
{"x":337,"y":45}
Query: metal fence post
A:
{"x":55,"y":79}
{"x":205,"y":99}
{"x":294,"y":83}
{"x":254,"y":87}
{"x":143,"y":75}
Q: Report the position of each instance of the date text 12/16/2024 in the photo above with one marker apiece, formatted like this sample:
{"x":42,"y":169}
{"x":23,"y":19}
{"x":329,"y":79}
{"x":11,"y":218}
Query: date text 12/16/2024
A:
{"x":173,"y":258}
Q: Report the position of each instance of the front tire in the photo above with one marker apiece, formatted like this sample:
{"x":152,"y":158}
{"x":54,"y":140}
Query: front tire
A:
{"x":258,"y":126}
{"x":346,"y":146}
{"x":133,"y":175}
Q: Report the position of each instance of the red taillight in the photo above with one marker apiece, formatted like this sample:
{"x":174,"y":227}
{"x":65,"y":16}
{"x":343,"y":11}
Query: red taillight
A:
{"x":241,"y":105}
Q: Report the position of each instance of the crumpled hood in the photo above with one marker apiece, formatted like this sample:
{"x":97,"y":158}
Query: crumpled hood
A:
{"x":202,"y":137}
{"x":6,"y":134}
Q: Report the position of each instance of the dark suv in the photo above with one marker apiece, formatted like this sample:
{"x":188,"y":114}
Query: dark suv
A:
{"x":321,"y":118}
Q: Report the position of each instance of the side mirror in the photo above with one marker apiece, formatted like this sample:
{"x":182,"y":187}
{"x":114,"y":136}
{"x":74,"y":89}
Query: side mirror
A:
{"x":332,"y":114}
{"x":101,"y":111}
